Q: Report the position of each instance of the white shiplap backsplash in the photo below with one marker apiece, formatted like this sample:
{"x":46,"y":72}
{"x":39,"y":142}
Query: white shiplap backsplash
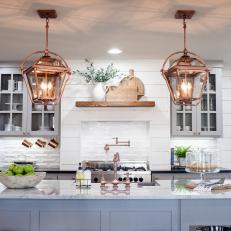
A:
{"x":11,"y":149}
{"x":94,"y":136}
{"x":85,"y":131}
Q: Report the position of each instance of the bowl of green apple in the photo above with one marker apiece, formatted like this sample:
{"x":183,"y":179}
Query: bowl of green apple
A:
{"x":21,"y":176}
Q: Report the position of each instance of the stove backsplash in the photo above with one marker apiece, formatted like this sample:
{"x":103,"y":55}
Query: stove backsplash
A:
{"x":148,"y":129}
{"x":94,"y":136}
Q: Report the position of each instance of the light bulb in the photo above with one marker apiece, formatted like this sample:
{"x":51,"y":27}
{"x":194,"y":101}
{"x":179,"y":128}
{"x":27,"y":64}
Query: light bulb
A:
{"x":49,"y":86}
{"x":184,"y":87}
{"x":43,"y":86}
{"x":189,"y":86}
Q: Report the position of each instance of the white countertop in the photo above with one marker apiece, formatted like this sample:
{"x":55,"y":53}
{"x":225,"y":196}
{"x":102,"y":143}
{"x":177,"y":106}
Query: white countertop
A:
{"x":65,"y":189}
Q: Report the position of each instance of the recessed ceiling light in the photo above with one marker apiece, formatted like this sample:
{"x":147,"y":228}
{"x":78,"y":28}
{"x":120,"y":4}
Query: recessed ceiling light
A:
{"x":114,"y":51}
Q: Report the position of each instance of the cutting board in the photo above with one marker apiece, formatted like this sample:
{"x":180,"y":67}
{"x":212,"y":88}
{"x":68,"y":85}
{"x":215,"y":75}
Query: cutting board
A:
{"x":130,"y":88}
{"x":193,"y":185}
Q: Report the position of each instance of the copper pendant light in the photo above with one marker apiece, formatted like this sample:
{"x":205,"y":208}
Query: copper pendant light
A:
{"x":185,"y":72}
{"x":45,"y":73}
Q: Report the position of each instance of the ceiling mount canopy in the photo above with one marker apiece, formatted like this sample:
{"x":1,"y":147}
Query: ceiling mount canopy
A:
{"x":45,"y":72}
{"x":185,"y":72}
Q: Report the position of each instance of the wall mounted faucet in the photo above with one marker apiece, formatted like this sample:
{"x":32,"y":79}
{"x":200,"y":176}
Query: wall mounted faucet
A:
{"x":117,"y":143}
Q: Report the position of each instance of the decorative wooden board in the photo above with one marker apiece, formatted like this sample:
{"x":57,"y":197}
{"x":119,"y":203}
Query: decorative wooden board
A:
{"x":115,"y":104}
{"x":130,"y":88}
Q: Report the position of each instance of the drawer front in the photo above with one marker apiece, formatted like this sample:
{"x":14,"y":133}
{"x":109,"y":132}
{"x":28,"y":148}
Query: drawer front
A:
{"x":14,"y":220}
{"x":79,"y":220}
{"x":141,"y":220}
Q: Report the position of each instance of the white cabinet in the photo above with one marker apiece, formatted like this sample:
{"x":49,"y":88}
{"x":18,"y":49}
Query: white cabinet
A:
{"x":18,"y":116}
{"x":204,"y":119}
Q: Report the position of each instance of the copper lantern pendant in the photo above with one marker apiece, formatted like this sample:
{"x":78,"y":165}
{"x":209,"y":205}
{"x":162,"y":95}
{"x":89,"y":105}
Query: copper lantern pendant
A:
{"x":185,"y":72}
{"x":45,"y":73}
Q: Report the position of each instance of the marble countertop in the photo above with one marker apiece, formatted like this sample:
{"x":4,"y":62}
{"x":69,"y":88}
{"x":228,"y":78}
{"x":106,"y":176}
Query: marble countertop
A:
{"x":65,"y":189}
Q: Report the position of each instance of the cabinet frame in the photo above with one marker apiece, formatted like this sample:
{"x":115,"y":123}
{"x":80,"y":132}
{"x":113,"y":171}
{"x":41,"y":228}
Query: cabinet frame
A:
{"x":26,"y":112}
{"x":196,"y":112}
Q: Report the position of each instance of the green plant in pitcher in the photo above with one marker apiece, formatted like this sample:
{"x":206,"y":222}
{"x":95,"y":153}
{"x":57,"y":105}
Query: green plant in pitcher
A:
{"x":102,"y":75}
{"x":181,"y":151}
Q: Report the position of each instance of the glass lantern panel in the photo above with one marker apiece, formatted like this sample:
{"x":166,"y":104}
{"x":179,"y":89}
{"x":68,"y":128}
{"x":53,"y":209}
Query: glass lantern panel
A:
{"x":173,"y":84}
{"x":45,"y":86}
{"x":191,"y":84}
{"x":204,"y":122}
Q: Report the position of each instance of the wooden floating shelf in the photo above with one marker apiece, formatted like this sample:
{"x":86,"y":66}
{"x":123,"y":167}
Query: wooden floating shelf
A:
{"x":115,"y":104}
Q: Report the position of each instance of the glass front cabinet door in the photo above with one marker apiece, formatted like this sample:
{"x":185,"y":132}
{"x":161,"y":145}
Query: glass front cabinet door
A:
{"x":18,"y":116}
{"x":205,"y":119}
{"x":12,"y":102}
{"x":43,"y":120}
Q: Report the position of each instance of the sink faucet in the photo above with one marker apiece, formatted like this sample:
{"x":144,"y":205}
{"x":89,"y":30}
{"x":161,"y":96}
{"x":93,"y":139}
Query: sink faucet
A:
{"x":116,"y":159}
{"x":117,"y":143}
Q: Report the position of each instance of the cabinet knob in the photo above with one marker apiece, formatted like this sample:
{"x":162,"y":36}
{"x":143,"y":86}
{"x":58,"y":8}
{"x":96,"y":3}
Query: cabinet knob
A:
{"x":199,"y":133}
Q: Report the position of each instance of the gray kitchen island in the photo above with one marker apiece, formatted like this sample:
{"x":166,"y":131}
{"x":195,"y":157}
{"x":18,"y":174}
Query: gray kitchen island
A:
{"x":57,"y":205}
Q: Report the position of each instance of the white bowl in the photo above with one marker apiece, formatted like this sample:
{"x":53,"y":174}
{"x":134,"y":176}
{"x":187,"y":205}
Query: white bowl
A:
{"x":22,"y":181}
{"x":50,"y":107}
{"x":38,"y":107}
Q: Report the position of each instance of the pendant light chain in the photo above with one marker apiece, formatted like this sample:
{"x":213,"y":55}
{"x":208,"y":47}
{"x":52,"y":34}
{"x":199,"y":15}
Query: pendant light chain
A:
{"x":184,"y":26}
{"x":47,"y":27}
{"x":45,"y":72}
{"x":185,"y":72}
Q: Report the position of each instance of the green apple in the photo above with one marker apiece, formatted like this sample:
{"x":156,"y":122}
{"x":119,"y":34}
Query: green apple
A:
{"x":18,"y":170}
{"x":28,"y":168}
{"x":8,"y":173}
{"x":11,"y":167}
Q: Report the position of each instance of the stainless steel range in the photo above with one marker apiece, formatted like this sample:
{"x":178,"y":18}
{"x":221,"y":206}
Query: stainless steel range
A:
{"x":138,"y":171}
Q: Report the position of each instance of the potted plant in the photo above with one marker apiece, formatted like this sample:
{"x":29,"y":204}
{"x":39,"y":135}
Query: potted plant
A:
{"x":98,"y":77}
{"x":180,"y":153}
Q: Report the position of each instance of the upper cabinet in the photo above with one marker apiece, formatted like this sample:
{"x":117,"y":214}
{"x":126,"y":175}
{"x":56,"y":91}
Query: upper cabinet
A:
{"x":18,"y":116}
{"x":12,"y":102}
{"x":205,"y":119}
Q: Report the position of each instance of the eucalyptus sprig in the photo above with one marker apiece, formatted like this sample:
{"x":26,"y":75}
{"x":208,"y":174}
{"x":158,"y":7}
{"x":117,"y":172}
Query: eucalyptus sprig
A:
{"x":93,"y":75}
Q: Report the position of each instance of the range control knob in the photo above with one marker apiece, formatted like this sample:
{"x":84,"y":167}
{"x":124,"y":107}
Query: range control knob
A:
{"x":131,"y":179}
{"x":120,"y":179}
{"x":141,"y":179}
{"x":125,"y":178}
{"x":135,"y":179}
{"x":95,"y":179}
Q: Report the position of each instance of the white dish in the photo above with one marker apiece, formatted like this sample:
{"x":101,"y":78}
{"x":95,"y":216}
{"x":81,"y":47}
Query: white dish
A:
{"x":22,"y":181}
{"x":38,"y":107}
{"x":50,"y":107}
